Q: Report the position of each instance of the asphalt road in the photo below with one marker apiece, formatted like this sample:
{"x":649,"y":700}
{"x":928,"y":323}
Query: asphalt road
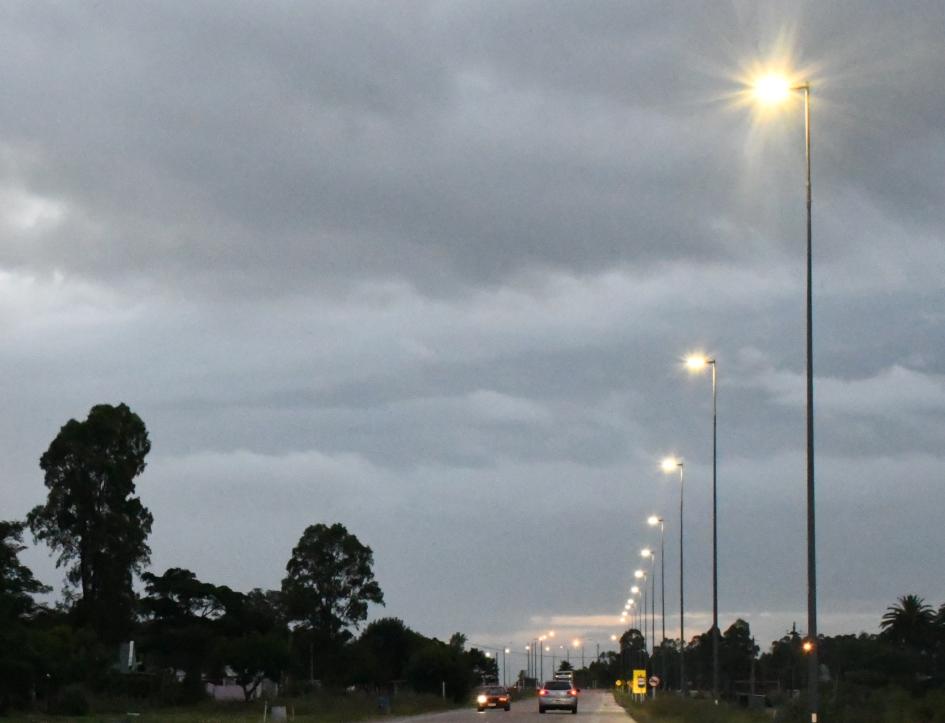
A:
{"x":594,"y":706}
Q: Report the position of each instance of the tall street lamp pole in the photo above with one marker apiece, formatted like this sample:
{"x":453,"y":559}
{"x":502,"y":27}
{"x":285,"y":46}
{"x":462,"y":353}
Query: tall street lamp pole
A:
{"x":775,"y":89}
{"x":654,"y":520}
{"x":647,"y":553}
{"x":669,"y":464}
{"x":696,"y":363}
{"x":641,"y":575}
{"x":813,"y":671}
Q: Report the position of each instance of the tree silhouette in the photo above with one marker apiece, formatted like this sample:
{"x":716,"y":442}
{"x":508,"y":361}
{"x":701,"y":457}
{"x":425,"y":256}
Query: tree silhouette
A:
{"x":910,"y":622}
{"x":91,"y":516}
{"x":330,"y":581}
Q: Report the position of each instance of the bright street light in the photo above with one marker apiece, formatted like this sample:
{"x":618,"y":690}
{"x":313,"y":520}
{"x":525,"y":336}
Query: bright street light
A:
{"x":638,"y":574}
{"x":669,"y":464}
{"x":697,"y":363}
{"x":770,"y":89}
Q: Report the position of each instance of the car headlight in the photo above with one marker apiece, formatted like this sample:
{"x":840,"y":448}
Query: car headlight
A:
{"x":481,"y":699}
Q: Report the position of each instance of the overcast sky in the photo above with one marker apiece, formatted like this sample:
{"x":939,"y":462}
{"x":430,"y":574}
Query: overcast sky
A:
{"x":428,"y":269}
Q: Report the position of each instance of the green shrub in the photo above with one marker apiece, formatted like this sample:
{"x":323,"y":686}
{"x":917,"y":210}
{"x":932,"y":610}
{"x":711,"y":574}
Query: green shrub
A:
{"x":71,"y":700}
{"x":671,"y":709}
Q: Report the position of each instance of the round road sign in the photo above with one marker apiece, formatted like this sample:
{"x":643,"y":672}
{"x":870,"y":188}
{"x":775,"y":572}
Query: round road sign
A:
{"x":654,"y":682}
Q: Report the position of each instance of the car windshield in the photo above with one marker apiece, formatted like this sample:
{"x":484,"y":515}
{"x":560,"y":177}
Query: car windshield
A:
{"x":557,"y":685}
{"x":495,"y":691}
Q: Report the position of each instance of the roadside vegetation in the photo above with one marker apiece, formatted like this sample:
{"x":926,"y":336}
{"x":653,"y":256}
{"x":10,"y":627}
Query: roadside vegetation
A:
{"x":671,"y":709}
{"x":305,"y":644}
{"x":885,"y":705}
{"x":322,"y":708}
{"x":109,"y":647}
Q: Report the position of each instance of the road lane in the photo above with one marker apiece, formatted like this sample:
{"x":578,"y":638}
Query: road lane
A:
{"x":594,"y":706}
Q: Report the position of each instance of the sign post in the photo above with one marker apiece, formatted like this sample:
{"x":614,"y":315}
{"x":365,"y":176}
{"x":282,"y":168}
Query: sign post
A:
{"x":654,"y":682}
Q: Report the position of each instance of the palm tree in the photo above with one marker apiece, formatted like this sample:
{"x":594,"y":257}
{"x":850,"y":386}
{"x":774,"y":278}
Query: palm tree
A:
{"x":911,"y":622}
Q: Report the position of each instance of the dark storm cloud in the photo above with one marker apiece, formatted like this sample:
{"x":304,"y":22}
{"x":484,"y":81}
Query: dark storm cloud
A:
{"x":435,"y":142}
{"x":379,"y":262}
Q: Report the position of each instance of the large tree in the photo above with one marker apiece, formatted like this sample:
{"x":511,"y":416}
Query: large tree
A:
{"x":382,"y":651}
{"x":91,"y":516}
{"x":183,"y":622}
{"x":17,"y":587}
{"x":330,"y":582}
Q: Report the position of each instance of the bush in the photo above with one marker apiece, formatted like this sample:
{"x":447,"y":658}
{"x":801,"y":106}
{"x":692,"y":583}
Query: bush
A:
{"x":71,"y":700}
{"x":670,"y":709}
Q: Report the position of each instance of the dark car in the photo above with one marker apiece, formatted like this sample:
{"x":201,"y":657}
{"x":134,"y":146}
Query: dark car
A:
{"x":558,"y":694}
{"x":493,"y":696}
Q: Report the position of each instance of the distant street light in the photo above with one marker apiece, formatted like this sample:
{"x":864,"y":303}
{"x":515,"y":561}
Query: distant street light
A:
{"x":653,"y":521}
{"x":670,"y":464}
{"x":772,"y":89}
{"x":576,"y":643}
{"x":641,"y":575}
{"x":647,"y":553}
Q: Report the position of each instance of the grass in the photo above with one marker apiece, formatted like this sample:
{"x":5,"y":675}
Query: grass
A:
{"x":669,"y":709}
{"x":314,"y":709}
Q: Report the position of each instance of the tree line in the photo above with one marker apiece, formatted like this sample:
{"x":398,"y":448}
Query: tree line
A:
{"x":900,"y":668}
{"x":187,"y":630}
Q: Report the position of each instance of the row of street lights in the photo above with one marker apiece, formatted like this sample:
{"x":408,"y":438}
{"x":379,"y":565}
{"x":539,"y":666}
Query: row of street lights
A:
{"x":769,"y":89}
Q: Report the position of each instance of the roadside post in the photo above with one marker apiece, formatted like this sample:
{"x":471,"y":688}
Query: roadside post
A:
{"x":654,"y":682}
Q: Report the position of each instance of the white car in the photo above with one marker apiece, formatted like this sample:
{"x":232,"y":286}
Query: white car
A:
{"x":558,"y":694}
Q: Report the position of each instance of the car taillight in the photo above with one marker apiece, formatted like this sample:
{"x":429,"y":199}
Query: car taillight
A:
{"x":572,"y":692}
{"x":542,"y":692}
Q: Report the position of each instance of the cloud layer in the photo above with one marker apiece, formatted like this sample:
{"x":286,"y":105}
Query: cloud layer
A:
{"x":428,"y":269}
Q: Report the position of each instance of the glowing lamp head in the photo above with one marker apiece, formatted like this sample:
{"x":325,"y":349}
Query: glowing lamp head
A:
{"x":551,"y":633}
{"x":576,"y":643}
{"x":653,"y":520}
{"x":638,"y":574}
{"x":613,"y":637}
{"x":635,"y":590}
{"x":772,"y":89}
{"x":646,"y":552}
{"x":670,"y":464}
{"x":697,"y":362}
{"x":808,"y":646}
